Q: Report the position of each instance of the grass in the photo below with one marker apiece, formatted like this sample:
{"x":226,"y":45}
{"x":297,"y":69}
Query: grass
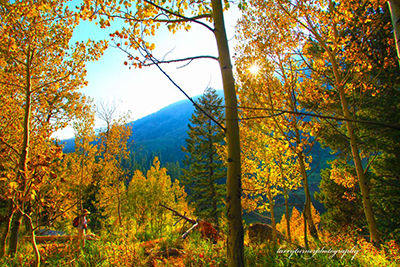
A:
{"x":195,"y":251}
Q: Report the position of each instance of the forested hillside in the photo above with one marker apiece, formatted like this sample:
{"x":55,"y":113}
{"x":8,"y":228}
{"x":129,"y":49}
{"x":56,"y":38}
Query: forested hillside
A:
{"x":162,"y":134}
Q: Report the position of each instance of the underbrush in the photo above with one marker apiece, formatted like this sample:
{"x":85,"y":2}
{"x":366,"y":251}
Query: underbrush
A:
{"x":196,"y":251}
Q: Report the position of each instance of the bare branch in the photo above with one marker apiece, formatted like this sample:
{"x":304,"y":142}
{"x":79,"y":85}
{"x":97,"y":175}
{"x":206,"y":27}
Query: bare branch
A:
{"x":190,"y":229}
{"x":186,"y":19}
{"x":155,"y":62}
{"x":370,"y":162}
{"x":178,"y":214}
{"x":10,"y":147}
{"x":190,"y":59}
{"x":280,"y":112}
{"x":162,"y":61}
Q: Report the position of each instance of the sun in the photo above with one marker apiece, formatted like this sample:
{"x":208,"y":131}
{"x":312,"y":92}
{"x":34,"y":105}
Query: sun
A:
{"x":254,"y":69}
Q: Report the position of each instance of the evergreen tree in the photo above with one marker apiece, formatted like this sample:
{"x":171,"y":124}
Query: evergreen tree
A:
{"x":204,"y":173}
{"x":342,"y":201}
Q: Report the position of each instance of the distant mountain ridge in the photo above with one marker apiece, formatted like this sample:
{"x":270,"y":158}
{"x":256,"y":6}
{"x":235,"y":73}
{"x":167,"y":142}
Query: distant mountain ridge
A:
{"x":169,"y":124}
{"x":161,"y":132}
{"x":164,"y":132}
{"x":165,"y":123}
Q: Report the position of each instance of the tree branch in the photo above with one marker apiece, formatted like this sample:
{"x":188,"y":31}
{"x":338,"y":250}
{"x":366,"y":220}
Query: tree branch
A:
{"x":280,"y":112}
{"x":178,"y":214}
{"x":185,"y":19}
{"x":190,"y":59}
{"x":10,"y":147}
{"x":155,"y":62}
{"x":194,"y":19}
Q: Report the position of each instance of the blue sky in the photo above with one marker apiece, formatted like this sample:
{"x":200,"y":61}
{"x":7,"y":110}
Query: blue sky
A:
{"x":147,"y":90}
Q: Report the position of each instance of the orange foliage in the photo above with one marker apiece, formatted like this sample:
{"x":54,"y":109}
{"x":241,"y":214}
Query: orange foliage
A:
{"x":297,"y":224}
{"x":342,"y":177}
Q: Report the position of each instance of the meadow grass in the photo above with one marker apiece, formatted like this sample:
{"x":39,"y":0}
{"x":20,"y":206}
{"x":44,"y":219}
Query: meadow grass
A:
{"x":196,"y":251}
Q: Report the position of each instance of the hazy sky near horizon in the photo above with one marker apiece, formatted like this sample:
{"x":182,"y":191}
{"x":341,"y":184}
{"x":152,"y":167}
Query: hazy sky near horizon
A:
{"x":147,"y":90}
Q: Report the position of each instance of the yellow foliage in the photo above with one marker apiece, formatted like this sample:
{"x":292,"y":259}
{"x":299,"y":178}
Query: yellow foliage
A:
{"x":146,"y":193}
{"x":41,"y":74}
{"x":342,"y":177}
{"x":297,"y":224}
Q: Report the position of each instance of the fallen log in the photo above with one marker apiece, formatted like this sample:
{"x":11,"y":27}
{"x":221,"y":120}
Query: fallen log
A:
{"x":206,"y":229}
{"x":178,"y":214}
{"x":190,"y":229}
{"x":46,"y":238}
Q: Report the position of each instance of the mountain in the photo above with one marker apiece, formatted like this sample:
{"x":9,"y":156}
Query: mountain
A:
{"x":69,"y":145}
{"x":163,"y":129}
{"x":161,"y":134}
{"x":164,"y":132}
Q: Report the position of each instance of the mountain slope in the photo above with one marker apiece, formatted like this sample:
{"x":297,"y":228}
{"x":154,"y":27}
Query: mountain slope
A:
{"x":164,"y":132}
{"x":164,"y":129}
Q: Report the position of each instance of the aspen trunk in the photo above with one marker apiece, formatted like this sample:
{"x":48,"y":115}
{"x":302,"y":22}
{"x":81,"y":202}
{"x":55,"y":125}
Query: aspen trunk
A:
{"x":285,"y":194}
{"x":271,"y":209}
{"x":367,"y":206}
{"x":301,"y":160}
{"x":394,"y":6}
{"x":6,"y":230}
{"x":307,"y":204}
{"x":119,"y":206}
{"x":22,"y":164}
{"x":14,"y":233}
{"x":33,"y":240}
{"x":305,"y":228}
{"x":234,"y":187}
{"x":362,"y":181}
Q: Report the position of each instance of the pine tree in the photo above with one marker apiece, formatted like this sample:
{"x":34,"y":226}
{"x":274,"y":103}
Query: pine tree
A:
{"x":204,"y":173}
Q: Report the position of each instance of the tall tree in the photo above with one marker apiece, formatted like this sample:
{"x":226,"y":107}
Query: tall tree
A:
{"x":353,"y":62}
{"x":378,"y":101}
{"x":205,"y":172}
{"x":146,"y":192}
{"x":41,"y":73}
{"x":270,"y":97}
{"x":340,"y":33}
{"x":143,"y":20}
{"x":113,"y":146}
{"x":394,"y":6}
{"x":82,"y":163}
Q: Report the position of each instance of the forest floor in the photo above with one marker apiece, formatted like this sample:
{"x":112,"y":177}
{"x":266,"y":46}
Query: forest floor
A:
{"x":195,"y":251}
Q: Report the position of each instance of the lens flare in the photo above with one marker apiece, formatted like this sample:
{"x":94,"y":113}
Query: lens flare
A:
{"x":254,"y":69}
